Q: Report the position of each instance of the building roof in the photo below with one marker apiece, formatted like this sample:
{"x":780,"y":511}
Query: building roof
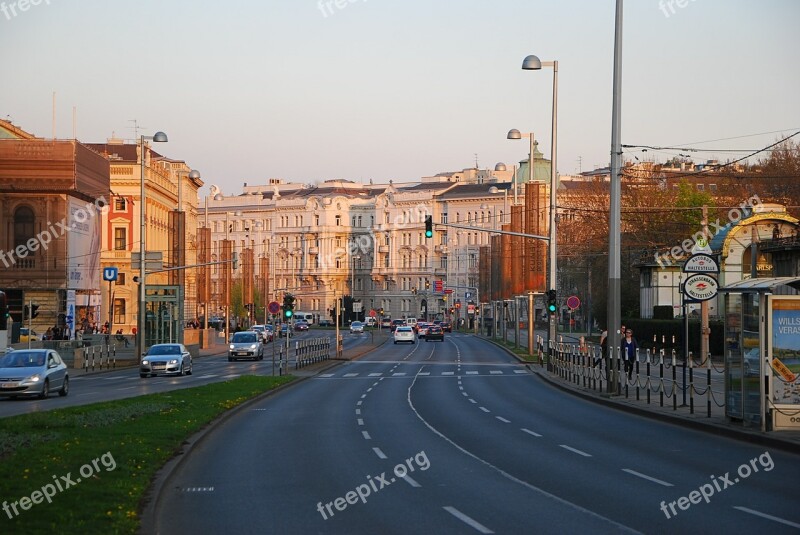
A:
{"x":764,"y":285}
{"x":460,"y":191}
{"x":125,"y":152}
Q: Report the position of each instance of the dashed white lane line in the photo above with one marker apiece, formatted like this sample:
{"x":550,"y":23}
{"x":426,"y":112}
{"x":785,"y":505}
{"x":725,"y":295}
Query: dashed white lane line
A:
{"x":411,"y":481}
{"x":472,"y":400}
{"x":484,"y":409}
{"x":573,"y":450}
{"x":472,"y":373}
{"x":375,"y":374}
{"x":350,"y":375}
{"x":496,"y":372}
{"x":460,"y":387}
{"x":325,"y":375}
{"x":379,"y":453}
{"x":369,"y":389}
{"x":366,"y":435}
{"x":360,"y":421}
{"x":464,"y":394}
{"x":358,"y":411}
{"x":363,"y":396}
{"x":467,"y":520}
{"x":768,"y":517}
{"x":503,"y":419}
{"x":448,"y":373}
{"x":398,"y":374}
{"x":643,"y":476}
{"x":424,"y":373}
{"x":529,"y":432}
{"x":359,"y":403}
{"x":520,"y":371}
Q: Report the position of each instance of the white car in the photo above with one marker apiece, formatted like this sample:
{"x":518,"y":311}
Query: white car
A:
{"x":356,"y":327}
{"x":166,"y":359}
{"x":404,"y":333}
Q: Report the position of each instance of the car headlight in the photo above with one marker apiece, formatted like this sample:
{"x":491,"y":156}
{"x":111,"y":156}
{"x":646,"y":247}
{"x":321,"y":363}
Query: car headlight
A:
{"x":33,"y":379}
{"x":232,"y":347}
{"x":173,"y":361}
{"x":253,"y":346}
{"x":146,"y":362}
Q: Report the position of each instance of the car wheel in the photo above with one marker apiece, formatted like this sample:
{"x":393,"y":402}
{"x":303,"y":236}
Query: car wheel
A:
{"x":64,"y":388}
{"x":189,"y":371}
{"x":261,"y":356}
{"x":143,"y":375}
{"x":180,"y":372}
{"x":45,"y":389}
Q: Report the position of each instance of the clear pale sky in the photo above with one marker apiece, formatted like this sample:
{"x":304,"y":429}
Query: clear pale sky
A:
{"x":398,"y":89}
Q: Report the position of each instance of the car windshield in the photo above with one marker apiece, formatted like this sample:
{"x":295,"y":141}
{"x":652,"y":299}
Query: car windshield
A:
{"x":164,"y":350}
{"x":404,"y":329}
{"x":356,"y":324}
{"x":244,"y":337}
{"x":22,"y":359}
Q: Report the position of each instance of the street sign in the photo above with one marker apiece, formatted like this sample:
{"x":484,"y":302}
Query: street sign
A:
{"x":274,"y":307}
{"x":701,"y":263}
{"x":372,"y":313}
{"x":468,"y":295}
{"x":700,"y":287}
{"x":448,"y":290}
{"x":110,"y":274}
{"x":573,"y":302}
{"x":438,"y":286}
{"x":470,"y":309}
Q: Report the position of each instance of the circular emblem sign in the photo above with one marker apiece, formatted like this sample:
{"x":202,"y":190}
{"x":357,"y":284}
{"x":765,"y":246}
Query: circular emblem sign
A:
{"x":700,"y":287}
{"x":274,"y":307}
{"x":573,"y":302}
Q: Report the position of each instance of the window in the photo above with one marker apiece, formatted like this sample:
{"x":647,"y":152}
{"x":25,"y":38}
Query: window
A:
{"x":119,"y":311}
{"x":23,"y":225}
{"x":120,"y":239}
{"x":120,"y":279}
{"x":712,"y":188}
{"x":701,"y":187}
{"x":444,"y":262}
{"x":120,"y":204}
{"x":338,"y":221}
{"x":316,"y":220}
{"x":359,"y":220}
{"x":444,"y":218}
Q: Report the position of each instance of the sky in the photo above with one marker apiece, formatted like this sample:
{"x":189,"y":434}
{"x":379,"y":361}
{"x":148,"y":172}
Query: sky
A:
{"x":399,"y":89}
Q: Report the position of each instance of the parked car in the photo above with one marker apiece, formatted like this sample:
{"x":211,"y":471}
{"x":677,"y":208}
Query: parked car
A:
{"x":422,"y":328}
{"x":434,"y":333}
{"x":446,"y":326}
{"x":356,"y":327}
{"x":325,"y":323}
{"x":26,"y":334}
{"x":262,"y":331}
{"x":33,"y":371}
{"x":404,"y":333}
{"x":166,"y":359}
{"x":386,"y":323}
{"x":245,"y":344}
{"x":397,"y":323}
{"x":301,"y":325}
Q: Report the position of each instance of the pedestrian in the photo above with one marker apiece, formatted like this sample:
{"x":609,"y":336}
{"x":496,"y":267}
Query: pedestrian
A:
{"x":629,"y":351}
{"x":598,"y":359}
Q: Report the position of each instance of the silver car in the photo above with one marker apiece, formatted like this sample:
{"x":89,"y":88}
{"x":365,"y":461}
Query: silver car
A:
{"x":166,"y":359}
{"x":33,"y":371}
{"x":245,"y":345}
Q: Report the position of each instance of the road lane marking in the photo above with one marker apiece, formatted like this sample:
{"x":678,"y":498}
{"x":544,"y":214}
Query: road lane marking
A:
{"x":411,"y":481}
{"x":358,"y":411}
{"x":375,"y":374}
{"x":520,"y":371}
{"x":472,"y":400}
{"x":366,"y":435}
{"x":484,"y":409}
{"x":619,"y":527}
{"x":467,"y":520}
{"x":360,"y":421}
{"x":350,"y":375}
{"x":472,"y":373}
{"x":503,"y":419}
{"x":460,"y":387}
{"x":573,"y":450}
{"x":369,"y":389}
{"x":424,"y":373}
{"x":764,"y":515}
{"x":448,"y":373}
{"x":529,"y":432}
{"x":464,"y":394}
{"x":398,"y":374}
{"x":359,"y":403}
{"x":379,"y":453}
{"x":363,"y":396}
{"x":326,"y":375}
{"x":87,"y":393}
{"x":495,"y":372}
{"x":643,"y":476}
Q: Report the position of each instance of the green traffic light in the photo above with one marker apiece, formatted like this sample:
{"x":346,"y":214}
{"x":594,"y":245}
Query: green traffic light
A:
{"x":288,"y":313}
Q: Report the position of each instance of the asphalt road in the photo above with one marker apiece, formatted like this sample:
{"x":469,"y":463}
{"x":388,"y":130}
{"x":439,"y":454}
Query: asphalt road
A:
{"x":482,"y":445}
{"x":125,"y":383}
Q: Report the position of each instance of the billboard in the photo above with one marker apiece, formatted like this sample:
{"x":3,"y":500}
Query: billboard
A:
{"x":785,"y":373}
{"x":83,"y":245}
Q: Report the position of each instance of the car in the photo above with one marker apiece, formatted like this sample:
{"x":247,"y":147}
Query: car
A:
{"x":422,"y":328}
{"x":263,"y":332}
{"x":386,"y":322}
{"x":446,"y":326}
{"x":751,"y":363}
{"x":371,"y":322}
{"x":166,"y":359}
{"x":325,"y":323}
{"x":284,"y":331}
{"x":270,"y":332}
{"x":26,"y":335}
{"x":301,"y":325}
{"x":356,"y":327}
{"x":412,"y":322}
{"x":404,"y":333}
{"x":434,"y":333}
{"x":33,"y":372}
{"x":397,"y":323}
{"x":245,"y":345}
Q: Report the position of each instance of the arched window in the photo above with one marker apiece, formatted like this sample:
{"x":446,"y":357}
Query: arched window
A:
{"x":23,"y":225}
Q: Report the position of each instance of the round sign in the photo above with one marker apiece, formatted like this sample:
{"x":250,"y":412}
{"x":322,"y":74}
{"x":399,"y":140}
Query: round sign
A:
{"x":274,"y":307}
{"x":700,"y":287}
{"x":573,"y":302}
{"x":372,"y":313}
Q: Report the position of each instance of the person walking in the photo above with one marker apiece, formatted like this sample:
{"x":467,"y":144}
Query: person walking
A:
{"x":598,"y":359}
{"x":630,"y":348}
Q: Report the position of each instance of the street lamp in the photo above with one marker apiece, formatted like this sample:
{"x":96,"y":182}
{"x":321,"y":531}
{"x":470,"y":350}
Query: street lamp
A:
{"x":159,"y":137}
{"x":532,"y":63}
{"x":353,"y":288}
{"x":228,"y":276}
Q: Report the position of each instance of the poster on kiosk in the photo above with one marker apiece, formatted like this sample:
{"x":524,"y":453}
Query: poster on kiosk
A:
{"x":784,"y":375}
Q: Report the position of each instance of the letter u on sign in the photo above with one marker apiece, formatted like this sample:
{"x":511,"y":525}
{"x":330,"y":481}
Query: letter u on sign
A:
{"x":110,"y":274}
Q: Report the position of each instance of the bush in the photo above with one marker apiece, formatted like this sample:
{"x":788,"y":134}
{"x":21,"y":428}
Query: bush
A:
{"x":663,"y":312}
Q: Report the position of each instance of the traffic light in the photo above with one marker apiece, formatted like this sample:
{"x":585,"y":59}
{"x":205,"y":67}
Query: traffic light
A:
{"x":25,"y":312}
{"x":427,"y":284}
{"x":381,"y":311}
{"x":288,"y":306}
{"x":34,"y":308}
{"x":429,"y":226}
{"x":552,"y":301}
{"x":3,"y":312}
{"x":235,"y":260}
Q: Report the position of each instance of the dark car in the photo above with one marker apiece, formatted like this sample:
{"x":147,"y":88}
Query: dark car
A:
{"x":397,"y":323}
{"x":284,"y":331}
{"x":446,"y":326}
{"x":434,"y":333}
{"x":301,"y":326}
{"x":325,"y":323}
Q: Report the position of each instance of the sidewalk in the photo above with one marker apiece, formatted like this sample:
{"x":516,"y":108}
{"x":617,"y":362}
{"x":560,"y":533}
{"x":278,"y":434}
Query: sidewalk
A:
{"x":718,"y":423}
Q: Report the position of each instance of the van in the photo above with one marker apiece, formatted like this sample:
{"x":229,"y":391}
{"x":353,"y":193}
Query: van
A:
{"x":371,"y":322}
{"x":412,"y":322}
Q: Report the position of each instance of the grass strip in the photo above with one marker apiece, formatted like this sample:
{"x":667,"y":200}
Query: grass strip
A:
{"x":88,"y":467}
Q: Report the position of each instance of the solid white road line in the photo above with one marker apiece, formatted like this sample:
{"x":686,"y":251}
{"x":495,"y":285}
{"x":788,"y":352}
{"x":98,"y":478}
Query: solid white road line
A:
{"x":467,"y":520}
{"x":529,"y":432}
{"x":654,"y":480}
{"x":379,"y":453}
{"x":764,"y":515}
{"x":573,"y":450}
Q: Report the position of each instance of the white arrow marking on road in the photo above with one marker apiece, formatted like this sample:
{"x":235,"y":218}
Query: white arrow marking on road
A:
{"x":654,"y":480}
{"x":764,"y":515}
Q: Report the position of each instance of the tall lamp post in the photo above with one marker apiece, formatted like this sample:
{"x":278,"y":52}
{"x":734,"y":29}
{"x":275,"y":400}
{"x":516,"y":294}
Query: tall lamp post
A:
{"x":353,"y":289}
{"x":532,"y":63}
{"x":159,"y":137}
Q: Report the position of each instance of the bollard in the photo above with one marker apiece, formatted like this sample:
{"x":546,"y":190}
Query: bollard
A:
{"x":675,"y":383}
{"x":648,"y":377}
{"x":708,"y":388}
{"x":93,"y":358}
{"x":637,"y":375}
{"x":691,"y":384}
{"x":661,"y":377}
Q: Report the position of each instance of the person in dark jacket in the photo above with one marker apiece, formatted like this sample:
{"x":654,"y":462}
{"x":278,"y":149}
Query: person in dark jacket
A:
{"x":630,"y":348}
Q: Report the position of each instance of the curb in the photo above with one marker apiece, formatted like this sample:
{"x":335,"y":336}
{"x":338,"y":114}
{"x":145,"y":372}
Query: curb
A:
{"x":707,"y":427}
